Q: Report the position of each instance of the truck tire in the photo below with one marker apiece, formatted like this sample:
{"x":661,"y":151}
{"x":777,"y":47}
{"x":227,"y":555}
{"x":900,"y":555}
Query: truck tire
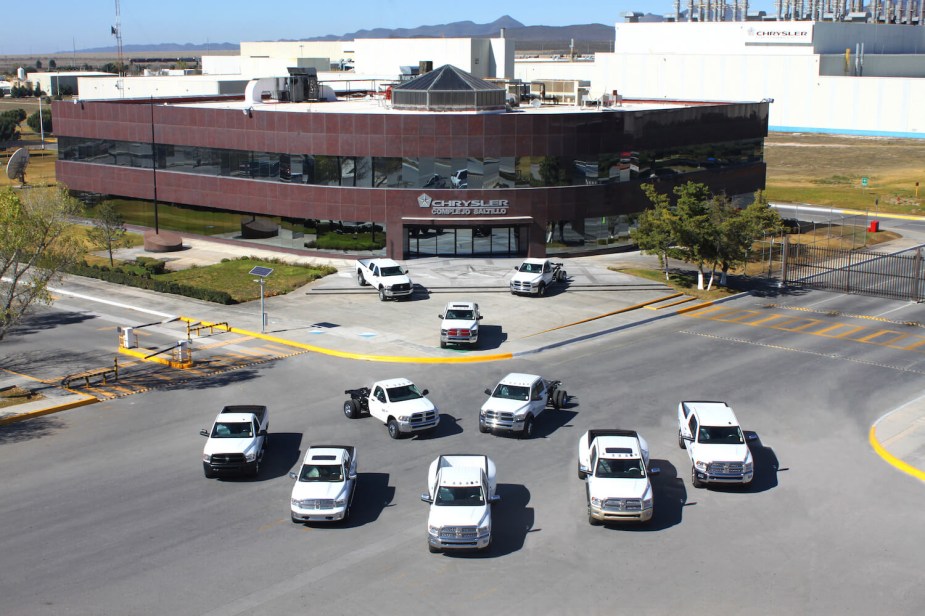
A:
{"x":541,"y":290}
{"x":382,"y":297}
{"x":694,"y":481}
{"x":483,"y":428}
{"x":207,"y":471}
{"x":394,"y":430}
{"x":360,"y":280}
{"x":582,"y":475}
{"x":681,"y":442}
{"x":442,"y":344}
{"x":431,"y":548}
{"x":558,"y":399}
{"x":255,"y":468}
{"x":529,"y":428}
{"x":591,"y":519}
{"x":351,"y":409}
{"x":294,"y":520}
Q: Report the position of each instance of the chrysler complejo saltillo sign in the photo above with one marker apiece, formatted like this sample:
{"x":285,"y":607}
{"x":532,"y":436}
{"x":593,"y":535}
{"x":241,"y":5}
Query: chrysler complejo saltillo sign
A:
{"x":463,"y":207}
{"x":784,"y":34}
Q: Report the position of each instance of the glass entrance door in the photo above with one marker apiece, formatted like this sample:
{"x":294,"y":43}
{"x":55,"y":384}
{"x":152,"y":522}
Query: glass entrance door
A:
{"x":506,"y":241}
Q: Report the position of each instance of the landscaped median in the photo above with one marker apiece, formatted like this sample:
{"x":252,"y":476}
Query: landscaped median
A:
{"x":227,"y":282}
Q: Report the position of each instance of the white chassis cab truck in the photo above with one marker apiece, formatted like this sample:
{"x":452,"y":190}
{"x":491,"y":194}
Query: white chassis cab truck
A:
{"x":615,"y":464}
{"x":386,"y":276}
{"x":459,"y":324}
{"x":533,"y":276}
{"x":515,"y":403}
{"x":715,"y":444}
{"x":237,"y":441}
{"x":397,"y":403}
{"x":324,"y":487}
{"x":461,"y":491}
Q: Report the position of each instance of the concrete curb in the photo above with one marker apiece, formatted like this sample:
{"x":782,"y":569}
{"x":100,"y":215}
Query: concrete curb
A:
{"x":48,"y":411}
{"x":915,"y":408}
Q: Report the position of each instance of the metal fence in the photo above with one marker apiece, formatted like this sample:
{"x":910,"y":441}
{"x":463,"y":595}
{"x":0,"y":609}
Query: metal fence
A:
{"x":864,"y":272}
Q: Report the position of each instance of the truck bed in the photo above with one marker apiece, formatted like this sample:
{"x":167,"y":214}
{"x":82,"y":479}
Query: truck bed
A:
{"x":258,"y":410}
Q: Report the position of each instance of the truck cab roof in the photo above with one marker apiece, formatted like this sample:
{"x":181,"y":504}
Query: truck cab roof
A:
{"x":617,"y":447}
{"x":325,"y":455}
{"x":713,"y":413}
{"x":397,"y":382}
{"x":460,"y":476}
{"x":519,"y":378}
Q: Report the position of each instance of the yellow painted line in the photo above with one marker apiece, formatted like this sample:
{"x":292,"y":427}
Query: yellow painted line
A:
{"x":606,"y":314}
{"x":912,"y":347}
{"x":809,"y":323}
{"x":680,"y":301}
{"x":871,"y":337}
{"x":768,"y":319}
{"x":48,"y":411}
{"x":465,"y":359}
{"x":687,"y":309}
{"x":891,"y":459}
{"x":824,"y":332}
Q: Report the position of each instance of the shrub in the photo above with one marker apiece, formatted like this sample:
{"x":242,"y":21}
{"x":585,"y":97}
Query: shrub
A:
{"x":130,"y":279}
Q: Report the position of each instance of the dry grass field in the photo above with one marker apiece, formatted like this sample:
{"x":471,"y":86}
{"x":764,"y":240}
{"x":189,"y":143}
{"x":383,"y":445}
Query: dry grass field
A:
{"x":827,"y":170}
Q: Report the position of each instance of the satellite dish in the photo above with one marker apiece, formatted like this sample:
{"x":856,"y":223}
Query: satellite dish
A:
{"x":16,"y":166}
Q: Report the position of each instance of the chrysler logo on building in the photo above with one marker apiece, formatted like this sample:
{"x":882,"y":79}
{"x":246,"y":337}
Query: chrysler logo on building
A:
{"x":463,"y":207}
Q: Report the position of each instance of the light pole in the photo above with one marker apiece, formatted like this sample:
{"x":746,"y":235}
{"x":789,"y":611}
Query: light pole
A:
{"x":154,"y":168}
{"x":261,"y":273}
{"x":41,"y":120}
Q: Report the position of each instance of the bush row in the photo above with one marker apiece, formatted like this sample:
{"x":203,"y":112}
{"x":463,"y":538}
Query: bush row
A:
{"x":119,"y":275}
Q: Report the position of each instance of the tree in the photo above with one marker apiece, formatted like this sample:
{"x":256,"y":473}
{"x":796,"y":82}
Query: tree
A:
{"x":655,"y":232}
{"x":9,"y":129}
{"x":17,"y":115}
{"x":38,"y":64}
{"x":35,"y":247}
{"x":108,"y":230}
{"x":33,"y":121}
{"x":696,"y":233}
{"x":52,"y":63}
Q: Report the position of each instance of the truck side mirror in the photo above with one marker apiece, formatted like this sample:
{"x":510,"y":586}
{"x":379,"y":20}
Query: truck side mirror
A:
{"x":426,"y":497}
{"x":204,"y":432}
{"x":262,"y":433}
{"x":480,"y":317}
{"x":487,"y":393}
{"x":751,"y":436}
{"x":424,"y":392}
{"x":439,"y":316}
{"x":292,"y":475}
{"x":655,"y":470}
{"x":495,"y":499}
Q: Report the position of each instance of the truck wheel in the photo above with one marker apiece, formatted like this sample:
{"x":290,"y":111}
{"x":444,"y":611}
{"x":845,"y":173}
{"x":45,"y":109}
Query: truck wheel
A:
{"x":207,"y":471}
{"x":431,"y":548}
{"x":381,"y":294}
{"x":541,"y":291}
{"x":528,"y":428}
{"x":294,"y":520}
{"x":351,"y":409}
{"x":558,"y":397}
{"x":681,"y":442}
{"x":694,"y":481}
{"x":442,"y":344}
{"x":394,"y":431}
{"x":483,"y":428}
{"x":360,"y":280}
{"x":582,"y":475}
{"x":255,"y":469}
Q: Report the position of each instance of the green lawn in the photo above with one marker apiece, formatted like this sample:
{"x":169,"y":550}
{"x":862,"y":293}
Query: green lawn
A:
{"x":233,"y":277}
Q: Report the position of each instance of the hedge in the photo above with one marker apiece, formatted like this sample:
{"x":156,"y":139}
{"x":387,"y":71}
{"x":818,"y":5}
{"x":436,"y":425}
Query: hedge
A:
{"x":144,"y":281}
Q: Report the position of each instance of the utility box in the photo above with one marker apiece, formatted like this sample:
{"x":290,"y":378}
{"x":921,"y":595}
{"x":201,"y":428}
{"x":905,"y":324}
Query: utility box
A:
{"x":129,"y":338}
{"x":183,"y":352}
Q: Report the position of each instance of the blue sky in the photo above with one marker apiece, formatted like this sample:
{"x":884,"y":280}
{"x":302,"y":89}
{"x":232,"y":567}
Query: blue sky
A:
{"x":61,"y":25}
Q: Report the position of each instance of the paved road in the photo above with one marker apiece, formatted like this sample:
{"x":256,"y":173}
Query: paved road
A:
{"x":105,"y":508}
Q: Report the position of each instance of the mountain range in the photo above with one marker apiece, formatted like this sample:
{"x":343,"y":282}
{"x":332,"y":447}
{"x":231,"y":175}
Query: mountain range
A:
{"x":513,"y":30}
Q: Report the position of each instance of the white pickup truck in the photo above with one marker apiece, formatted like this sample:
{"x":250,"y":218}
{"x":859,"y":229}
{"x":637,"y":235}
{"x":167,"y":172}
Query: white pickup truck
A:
{"x":459,"y":324}
{"x":517,"y":400}
{"x":397,"y":403}
{"x":324,"y":487}
{"x":616,"y":466}
{"x":461,"y":491}
{"x":533,"y":276}
{"x":237,"y":441}
{"x":386,"y":276}
{"x":715,"y":443}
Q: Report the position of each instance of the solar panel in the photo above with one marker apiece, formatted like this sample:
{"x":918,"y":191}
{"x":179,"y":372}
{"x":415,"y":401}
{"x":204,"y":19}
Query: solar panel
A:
{"x":261,"y":271}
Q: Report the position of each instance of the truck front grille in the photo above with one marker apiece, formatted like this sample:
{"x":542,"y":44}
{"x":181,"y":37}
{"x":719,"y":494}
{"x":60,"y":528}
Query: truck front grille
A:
{"x":725,"y":468}
{"x":230,"y":459}
{"x":317,"y":503}
{"x":520,"y":287}
{"x":401,"y":288}
{"x":459,"y":532}
{"x":423,"y":419}
{"x":499,"y":417}
{"x":623,"y":504}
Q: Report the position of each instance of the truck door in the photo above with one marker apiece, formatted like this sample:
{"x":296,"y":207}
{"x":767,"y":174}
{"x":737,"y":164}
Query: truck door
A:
{"x":690,"y":429}
{"x":538,"y":396}
{"x":378,"y":403}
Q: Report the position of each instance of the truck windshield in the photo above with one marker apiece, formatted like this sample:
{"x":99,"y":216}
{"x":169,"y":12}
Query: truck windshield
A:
{"x":233,"y":430}
{"x":511,"y":392}
{"x":321,"y":472}
{"x":459,"y":315}
{"x":394,"y":270}
{"x":405,"y":392}
{"x":619,"y":469}
{"x":459,"y":496}
{"x":531,"y":268}
{"x":721,"y":435}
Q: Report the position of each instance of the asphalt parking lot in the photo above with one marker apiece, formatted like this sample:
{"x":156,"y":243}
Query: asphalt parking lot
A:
{"x":106,"y":509}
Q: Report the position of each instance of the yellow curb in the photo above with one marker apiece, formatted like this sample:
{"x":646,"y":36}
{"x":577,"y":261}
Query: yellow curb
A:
{"x":48,"y":411}
{"x":891,"y":459}
{"x":677,"y":303}
{"x":468,"y":359}
{"x":693,"y":308}
{"x":608,"y":314}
